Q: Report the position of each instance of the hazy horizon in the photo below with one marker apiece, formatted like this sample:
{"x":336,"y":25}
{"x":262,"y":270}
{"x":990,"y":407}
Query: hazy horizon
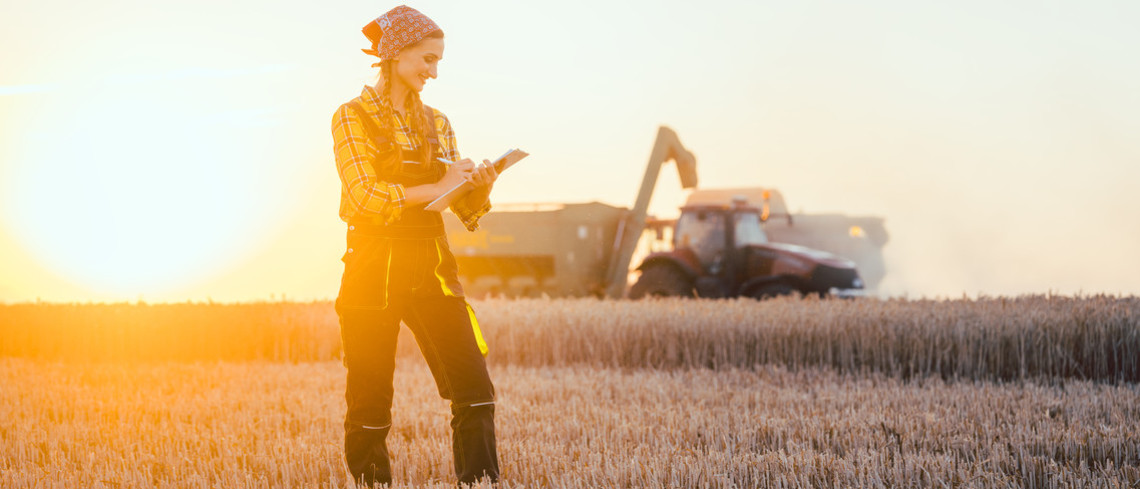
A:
{"x":182,"y":151}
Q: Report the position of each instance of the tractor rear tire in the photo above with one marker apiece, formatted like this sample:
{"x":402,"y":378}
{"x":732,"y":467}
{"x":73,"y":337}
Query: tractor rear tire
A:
{"x":662,"y":281}
{"x":773,"y":290}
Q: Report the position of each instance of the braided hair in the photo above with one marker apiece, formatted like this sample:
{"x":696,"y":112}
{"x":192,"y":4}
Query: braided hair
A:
{"x":414,"y":113}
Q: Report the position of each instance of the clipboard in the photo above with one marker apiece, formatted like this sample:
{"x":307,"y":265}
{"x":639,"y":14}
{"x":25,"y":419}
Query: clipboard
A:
{"x":455,"y":193}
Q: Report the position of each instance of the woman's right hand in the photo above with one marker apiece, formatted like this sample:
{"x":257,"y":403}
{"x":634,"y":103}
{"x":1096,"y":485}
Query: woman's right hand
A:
{"x":457,"y":173}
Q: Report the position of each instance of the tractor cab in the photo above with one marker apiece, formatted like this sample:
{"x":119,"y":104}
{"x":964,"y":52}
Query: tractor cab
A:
{"x":719,"y":237}
{"x":704,"y":229}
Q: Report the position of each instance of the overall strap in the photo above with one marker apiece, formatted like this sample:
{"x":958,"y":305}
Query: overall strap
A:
{"x":370,"y":126}
{"x":378,"y":136}
{"x":432,"y":135}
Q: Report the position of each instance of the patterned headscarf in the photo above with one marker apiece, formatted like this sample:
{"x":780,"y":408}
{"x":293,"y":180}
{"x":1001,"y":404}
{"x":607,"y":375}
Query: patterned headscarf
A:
{"x":397,"y":29}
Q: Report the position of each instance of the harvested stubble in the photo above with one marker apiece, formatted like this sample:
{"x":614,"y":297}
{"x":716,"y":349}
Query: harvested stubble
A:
{"x":256,"y":424}
{"x":1094,"y":338}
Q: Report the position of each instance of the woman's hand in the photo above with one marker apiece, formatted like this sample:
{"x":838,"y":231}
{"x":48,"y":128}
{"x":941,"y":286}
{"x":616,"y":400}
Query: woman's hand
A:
{"x":485,"y":175}
{"x":483,"y":178}
{"x":457,"y":173}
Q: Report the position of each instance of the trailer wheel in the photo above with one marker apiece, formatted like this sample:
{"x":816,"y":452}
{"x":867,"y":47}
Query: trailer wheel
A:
{"x":773,"y":290}
{"x":662,"y":281}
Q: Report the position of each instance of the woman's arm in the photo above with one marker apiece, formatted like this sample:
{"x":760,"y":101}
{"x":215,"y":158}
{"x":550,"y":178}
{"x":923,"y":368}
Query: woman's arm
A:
{"x":422,"y":194}
{"x":476,"y":203}
{"x":483,"y":178}
{"x":369,"y":194}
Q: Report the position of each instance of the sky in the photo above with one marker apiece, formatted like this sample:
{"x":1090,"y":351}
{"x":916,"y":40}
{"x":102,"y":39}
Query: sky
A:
{"x":176,"y":150}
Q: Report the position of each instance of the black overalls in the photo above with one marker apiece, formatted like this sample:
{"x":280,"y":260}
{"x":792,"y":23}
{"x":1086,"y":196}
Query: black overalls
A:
{"x":405,"y":271}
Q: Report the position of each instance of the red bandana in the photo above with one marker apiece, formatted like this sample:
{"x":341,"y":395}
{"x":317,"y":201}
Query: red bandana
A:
{"x":397,"y":29}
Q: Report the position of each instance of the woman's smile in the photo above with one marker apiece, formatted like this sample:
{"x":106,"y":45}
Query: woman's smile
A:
{"x":418,"y":64}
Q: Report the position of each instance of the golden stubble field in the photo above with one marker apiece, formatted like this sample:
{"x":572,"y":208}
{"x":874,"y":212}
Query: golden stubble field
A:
{"x":634,"y":414}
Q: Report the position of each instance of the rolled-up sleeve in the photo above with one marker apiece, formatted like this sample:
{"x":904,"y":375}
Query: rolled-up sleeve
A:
{"x":469,"y":217}
{"x":362,"y":192}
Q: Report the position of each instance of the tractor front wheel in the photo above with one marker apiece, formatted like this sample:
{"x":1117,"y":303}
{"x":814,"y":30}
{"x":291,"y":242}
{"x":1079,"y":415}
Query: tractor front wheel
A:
{"x":663,"y":281}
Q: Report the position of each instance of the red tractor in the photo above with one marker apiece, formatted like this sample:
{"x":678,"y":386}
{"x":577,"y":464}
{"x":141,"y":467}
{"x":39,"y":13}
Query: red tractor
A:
{"x":710,"y":258}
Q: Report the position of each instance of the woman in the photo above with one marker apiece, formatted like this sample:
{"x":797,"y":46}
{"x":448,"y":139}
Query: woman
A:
{"x":398,"y":265}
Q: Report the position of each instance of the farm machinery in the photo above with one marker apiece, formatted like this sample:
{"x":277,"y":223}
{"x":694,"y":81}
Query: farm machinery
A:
{"x":858,"y":238}
{"x":714,"y":249}
{"x":722,"y":251}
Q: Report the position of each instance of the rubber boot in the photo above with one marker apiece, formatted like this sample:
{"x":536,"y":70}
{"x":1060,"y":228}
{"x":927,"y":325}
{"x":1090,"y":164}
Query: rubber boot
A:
{"x":473,"y":443}
{"x":366,"y":452}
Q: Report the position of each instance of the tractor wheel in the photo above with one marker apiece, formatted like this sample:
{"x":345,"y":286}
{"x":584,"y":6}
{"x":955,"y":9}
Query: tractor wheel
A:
{"x":773,"y":290}
{"x":662,"y":281}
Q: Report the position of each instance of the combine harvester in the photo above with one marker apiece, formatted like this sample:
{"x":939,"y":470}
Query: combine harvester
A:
{"x":586,"y":249}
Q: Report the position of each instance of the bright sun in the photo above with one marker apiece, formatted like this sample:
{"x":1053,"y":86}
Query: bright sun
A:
{"x":136,"y":189}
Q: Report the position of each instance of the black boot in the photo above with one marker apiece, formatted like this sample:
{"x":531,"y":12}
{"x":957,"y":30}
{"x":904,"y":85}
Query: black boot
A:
{"x":473,"y":443}
{"x":367,"y":454}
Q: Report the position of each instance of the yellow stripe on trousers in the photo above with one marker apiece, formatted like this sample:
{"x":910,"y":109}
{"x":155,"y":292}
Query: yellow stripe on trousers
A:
{"x":439,"y":263}
{"x":478,"y":333}
{"x":470,"y":312}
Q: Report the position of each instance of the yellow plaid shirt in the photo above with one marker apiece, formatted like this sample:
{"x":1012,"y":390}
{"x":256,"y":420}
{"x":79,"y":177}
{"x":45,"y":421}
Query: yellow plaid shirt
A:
{"x":362,"y":192}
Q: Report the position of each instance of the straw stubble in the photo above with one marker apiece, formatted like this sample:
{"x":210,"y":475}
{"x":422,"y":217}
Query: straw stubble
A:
{"x":258,"y":424}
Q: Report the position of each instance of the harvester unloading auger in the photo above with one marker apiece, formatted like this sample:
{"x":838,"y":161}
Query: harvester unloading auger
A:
{"x":668,"y":147}
{"x":717,"y":249}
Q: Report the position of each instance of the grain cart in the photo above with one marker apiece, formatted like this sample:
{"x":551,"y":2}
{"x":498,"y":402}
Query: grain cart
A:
{"x":533,"y":249}
{"x":562,"y":249}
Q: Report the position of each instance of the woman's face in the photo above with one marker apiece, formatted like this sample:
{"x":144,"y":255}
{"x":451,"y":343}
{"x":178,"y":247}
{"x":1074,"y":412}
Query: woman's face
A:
{"x":415,"y":64}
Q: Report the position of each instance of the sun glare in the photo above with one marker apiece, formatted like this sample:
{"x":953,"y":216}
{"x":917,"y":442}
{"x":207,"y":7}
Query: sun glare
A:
{"x":134,"y":190}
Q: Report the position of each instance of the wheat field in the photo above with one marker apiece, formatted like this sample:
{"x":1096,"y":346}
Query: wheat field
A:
{"x":1036,"y":391}
{"x":1093,"y":338}
{"x":260,"y":424}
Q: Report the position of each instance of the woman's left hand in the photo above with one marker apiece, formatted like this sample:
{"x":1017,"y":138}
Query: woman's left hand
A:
{"x":484,"y":175}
